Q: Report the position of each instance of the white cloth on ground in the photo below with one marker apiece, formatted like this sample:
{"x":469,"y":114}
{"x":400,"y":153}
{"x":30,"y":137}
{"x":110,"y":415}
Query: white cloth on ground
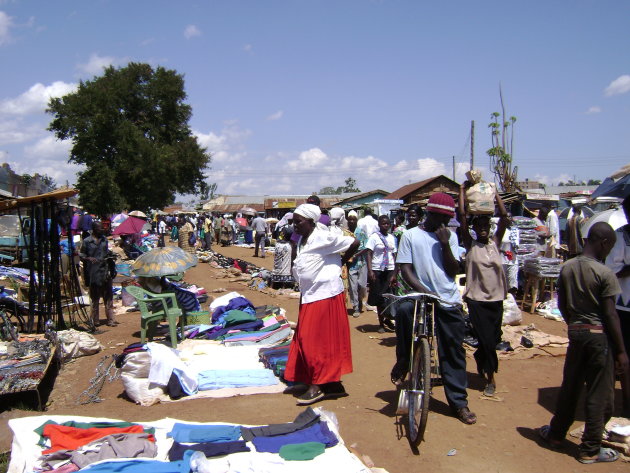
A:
{"x":165,"y":361}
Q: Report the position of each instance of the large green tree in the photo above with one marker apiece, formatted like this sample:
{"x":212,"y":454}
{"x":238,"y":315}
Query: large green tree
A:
{"x":129,"y":127}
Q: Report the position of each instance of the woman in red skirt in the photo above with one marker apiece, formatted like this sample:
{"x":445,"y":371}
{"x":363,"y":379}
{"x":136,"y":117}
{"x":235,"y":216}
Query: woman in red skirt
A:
{"x":320,"y":352}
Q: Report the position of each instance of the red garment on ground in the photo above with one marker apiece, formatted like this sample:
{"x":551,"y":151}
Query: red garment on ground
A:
{"x":63,"y":437}
{"x":320,"y":351}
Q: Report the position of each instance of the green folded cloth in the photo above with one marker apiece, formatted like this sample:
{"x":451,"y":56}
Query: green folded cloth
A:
{"x":235,"y":317}
{"x":302,"y":451}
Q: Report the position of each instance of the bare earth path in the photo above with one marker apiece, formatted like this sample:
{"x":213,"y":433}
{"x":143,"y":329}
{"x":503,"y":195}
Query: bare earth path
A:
{"x":503,"y":440}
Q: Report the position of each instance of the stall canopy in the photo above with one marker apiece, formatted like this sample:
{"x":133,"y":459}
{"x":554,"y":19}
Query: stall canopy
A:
{"x":130,"y":226}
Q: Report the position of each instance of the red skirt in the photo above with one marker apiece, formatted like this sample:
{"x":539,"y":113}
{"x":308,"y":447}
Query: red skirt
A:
{"x":320,"y":350}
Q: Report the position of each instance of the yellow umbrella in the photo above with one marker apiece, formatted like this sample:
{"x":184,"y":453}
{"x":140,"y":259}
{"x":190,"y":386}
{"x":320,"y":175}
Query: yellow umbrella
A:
{"x":163,"y":262}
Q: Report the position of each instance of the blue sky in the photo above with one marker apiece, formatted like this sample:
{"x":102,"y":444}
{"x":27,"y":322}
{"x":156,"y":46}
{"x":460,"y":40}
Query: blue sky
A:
{"x":294,"y":95}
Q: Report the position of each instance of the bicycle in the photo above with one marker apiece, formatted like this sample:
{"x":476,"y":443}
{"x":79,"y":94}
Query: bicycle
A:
{"x":424,"y":373}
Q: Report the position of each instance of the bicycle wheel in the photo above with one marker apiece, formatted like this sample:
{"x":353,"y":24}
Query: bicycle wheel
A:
{"x":419,"y":393}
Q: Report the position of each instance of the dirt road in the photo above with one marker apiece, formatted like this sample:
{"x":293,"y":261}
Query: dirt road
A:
{"x":503,"y":440}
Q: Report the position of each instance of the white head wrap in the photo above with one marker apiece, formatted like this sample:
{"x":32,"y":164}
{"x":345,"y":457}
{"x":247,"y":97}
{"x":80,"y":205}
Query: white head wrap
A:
{"x":337,"y":213}
{"x":309,"y":211}
{"x":353,"y":213}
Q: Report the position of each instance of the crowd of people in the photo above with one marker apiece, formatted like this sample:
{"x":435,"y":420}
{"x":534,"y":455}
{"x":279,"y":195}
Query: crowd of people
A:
{"x":425,"y":255}
{"x":344,"y":264}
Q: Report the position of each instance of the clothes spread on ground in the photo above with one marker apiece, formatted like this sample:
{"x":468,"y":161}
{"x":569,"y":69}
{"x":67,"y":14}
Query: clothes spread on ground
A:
{"x":204,"y":433}
{"x":109,"y":447}
{"x":318,"y":432}
{"x":218,"y":379}
{"x":304,"y":419}
{"x":302,"y":451}
{"x":209,"y":449}
{"x":182,"y":447}
{"x":63,"y":437}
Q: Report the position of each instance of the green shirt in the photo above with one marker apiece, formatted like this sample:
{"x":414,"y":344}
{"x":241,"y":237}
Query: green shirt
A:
{"x":585,"y":282}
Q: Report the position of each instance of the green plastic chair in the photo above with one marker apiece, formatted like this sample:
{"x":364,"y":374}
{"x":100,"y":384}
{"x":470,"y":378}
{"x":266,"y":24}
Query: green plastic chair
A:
{"x":153,"y":309}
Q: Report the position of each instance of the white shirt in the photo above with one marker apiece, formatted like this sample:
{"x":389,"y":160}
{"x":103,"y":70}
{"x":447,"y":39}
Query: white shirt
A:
{"x":554,"y":227}
{"x":510,"y":242}
{"x":423,"y":250}
{"x":162,"y":227}
{"x":375,"y":244}
{"x":368,"y":224}
{"x":317,"y":266}
{"x":619,"y":257}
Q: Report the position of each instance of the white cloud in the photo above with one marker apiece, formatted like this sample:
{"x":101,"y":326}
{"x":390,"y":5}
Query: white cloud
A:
{"x":620,"y":85}
{"x":226,"y":147}
{"x":46,"y":155}
{"x":15,"y":131}
{"x":275,"y":116}
{"x":48,"y":147}
{"x":593,"y":110}
{"x":6,"y":23}
{"x":552,"y":181}
{"x":191,"y":31}
{"x":35,"y":99}
{"x":96,"y":64}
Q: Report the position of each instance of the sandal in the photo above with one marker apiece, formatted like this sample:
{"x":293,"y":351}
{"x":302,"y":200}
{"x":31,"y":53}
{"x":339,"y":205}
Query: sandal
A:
{"x":489,"y":390}
{"x":605,"y":455}
{"x":545,"y":433}
{"x":310,"y":398}
{"x":398,"y":375}
{"x":466,"y":416}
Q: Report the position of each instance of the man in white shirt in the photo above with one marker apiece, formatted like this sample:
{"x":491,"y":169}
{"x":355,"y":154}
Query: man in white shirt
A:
{"x":259,"y":225}
{"x":161,"y":231}
{"x":428,"y":261}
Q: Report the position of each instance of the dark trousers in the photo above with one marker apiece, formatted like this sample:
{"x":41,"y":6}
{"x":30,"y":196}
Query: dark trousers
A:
{"x":102,"y":291}
{"x":486,"y":318}
{"x":260,"y":242}
{"x":451,"y":353}
{"x":589,"y":362}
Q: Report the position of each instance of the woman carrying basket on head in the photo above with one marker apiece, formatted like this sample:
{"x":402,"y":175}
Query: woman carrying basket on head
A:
{"x":486,"y":286}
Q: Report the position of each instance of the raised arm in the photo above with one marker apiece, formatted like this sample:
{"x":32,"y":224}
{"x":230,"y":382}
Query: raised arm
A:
{"x":463,"y":221}
{"x":503,"y":219}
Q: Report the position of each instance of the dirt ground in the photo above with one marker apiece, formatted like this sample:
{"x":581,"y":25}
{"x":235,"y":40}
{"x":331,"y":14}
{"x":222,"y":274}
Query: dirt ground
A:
{"x":503,"y":440}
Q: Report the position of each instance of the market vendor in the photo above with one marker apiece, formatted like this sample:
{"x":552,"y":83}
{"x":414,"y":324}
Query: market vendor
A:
{"x":320,"y":352}
{"x":94,"y":253}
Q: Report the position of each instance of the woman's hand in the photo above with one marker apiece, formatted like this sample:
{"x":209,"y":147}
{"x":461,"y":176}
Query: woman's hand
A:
{"x":371,"y":276}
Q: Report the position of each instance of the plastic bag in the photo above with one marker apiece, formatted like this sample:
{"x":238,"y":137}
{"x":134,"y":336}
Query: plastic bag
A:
{"x":140,"y":390}
{"x":134,"y":376}
{"x":511,"y":313}
{"x":480,"y":198}
{"x":75,"y":344}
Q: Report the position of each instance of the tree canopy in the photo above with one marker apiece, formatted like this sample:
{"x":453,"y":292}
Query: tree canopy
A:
{"x":129,"y":127}
{"x":351,"y":186}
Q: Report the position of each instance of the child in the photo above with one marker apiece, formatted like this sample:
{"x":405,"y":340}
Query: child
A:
{"x":586,"y":297}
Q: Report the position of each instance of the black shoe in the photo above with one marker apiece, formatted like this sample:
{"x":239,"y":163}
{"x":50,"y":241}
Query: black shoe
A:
{"x":309,"y":398}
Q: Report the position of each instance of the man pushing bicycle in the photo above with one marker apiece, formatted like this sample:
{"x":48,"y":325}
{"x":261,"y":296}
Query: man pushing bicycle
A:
{"x":429,"y":262}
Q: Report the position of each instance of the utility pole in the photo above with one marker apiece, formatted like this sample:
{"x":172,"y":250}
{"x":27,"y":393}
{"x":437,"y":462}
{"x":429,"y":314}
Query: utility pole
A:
{"x":472,"y":144}
{"x":453,"y":167}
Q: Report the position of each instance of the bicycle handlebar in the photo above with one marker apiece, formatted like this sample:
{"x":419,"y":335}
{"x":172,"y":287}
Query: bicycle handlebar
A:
{"x":416,"y":296}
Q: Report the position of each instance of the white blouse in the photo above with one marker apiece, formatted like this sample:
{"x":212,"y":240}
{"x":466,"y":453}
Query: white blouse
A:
{"x":317,"y":266}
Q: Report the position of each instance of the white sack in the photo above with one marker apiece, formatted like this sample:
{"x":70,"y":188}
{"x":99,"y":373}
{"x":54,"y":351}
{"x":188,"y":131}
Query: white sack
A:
{"x":75,"y":344}
{"x":511,"y":313}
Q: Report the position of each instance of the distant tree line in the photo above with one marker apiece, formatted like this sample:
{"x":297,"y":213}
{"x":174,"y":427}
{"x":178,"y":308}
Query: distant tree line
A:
{"x":590,"y":182}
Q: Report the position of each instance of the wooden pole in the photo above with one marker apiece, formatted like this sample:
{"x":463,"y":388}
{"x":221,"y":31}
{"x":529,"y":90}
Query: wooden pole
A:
{"x":472,"y":144}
